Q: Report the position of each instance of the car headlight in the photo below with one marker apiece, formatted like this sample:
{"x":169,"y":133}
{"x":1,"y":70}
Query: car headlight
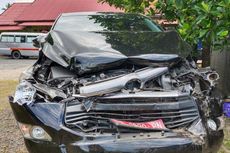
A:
{"x":34,"y":132}
{"x":212,"y":124}
{"x":24,"y":93}
{"x":197,"y":128}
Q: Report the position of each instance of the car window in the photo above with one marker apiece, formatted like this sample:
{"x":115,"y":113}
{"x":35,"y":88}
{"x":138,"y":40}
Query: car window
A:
{"x":115,"y":22}
{"x":20,"y":39}
{"x":4,"y":38}
{"x":7,"y":38}
{"x":30,"y":38}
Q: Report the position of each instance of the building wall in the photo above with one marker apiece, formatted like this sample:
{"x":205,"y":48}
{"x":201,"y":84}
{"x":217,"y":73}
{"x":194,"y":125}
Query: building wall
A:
{"x":24,"y":1}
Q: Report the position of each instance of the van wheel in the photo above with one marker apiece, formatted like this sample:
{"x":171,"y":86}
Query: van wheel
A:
{"x":16,"y":55}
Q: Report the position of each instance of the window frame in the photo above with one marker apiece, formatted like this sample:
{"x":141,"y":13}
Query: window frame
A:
{"x":30,"y":36}
{"x":7,"y":39}
{"x":20,"y":39}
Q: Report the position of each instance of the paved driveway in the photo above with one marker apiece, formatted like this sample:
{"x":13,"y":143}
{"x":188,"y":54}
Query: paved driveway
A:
{"x":11,"y":69}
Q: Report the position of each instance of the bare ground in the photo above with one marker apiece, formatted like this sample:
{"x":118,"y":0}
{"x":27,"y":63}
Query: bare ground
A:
{"x":11,"y":69}
{"x":11,"y":140}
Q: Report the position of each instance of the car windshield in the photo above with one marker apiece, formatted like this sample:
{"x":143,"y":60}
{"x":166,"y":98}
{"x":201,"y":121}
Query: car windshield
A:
{"x":106,"y":22}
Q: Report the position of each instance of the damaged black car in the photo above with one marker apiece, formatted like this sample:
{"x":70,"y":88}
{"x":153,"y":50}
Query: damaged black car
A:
{"x":117,"y":83}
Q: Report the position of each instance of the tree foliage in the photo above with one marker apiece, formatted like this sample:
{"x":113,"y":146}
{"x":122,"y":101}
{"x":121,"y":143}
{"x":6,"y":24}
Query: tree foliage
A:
{"x":6,"y":6}
{"x":207,"y":20}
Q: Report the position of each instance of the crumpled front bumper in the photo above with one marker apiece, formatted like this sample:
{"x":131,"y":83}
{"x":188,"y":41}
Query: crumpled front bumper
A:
{"x":64,"y":140}
{"x":170,"y":145}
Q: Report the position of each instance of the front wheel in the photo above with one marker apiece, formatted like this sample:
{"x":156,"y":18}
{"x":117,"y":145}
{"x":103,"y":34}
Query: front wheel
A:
{"x":16,"y":55}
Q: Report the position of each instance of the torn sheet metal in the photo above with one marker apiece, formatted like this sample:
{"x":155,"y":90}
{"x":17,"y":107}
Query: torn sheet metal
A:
{"x":120,"y":82}
{"x":147,"y":94}
{"x":78,"y":52}
{"x":51,"y":92}
{"x":155,"y":59}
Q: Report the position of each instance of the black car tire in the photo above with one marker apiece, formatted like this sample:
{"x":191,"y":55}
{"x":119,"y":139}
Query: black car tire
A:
{"x":16,"y":54}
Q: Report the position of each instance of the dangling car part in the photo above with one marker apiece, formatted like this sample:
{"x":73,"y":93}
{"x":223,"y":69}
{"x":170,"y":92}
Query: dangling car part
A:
{"x":118,"y":83}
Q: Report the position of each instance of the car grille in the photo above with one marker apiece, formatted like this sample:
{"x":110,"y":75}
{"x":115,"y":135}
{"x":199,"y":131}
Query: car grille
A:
{"x":178,"y":113}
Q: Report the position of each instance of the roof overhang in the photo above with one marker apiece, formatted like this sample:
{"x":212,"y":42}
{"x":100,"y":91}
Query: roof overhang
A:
{"x":11,"y":28}
{"x":36,"y":24}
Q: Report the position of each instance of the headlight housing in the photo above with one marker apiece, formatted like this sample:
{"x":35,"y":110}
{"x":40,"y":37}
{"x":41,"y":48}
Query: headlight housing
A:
{"x":212,"y":124}
{"x":197,"y":128}
{"x":25,"y":93}
{"x":34,"y":132}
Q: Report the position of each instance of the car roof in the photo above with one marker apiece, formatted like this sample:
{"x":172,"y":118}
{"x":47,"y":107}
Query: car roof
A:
{"x":95,"y":13}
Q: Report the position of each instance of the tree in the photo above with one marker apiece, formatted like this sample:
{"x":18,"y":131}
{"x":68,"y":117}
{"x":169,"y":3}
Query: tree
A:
{"x":206,"y":20}
{"x":6,"y":6}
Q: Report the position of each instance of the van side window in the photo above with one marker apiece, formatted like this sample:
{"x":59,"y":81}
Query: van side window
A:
{"x":4,"y":38}
{"x":31,"y":38}
{"x":7,"y":38}
{"x":20,"y":39}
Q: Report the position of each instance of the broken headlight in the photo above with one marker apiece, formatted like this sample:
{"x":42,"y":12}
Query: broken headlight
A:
{"x":197,"y":128}
{"x":212,"y":124}
{"x":25,"y":93}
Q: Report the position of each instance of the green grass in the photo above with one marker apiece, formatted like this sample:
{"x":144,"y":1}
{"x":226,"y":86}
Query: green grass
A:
{"x":226,"y":144}
{"x":7,"y":88}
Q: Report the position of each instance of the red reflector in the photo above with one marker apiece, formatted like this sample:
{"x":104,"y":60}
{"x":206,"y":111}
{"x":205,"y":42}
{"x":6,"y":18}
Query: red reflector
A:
{"x":154,"y":125}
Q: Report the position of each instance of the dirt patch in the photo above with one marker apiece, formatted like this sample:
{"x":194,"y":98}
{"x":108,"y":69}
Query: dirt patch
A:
{"x":11,"y":140}
{"x":11,"y":74}
{"x":7,"y":88}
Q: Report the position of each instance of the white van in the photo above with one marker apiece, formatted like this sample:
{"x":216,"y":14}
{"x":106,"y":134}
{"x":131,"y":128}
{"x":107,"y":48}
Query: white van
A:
{"x":18,"y":44}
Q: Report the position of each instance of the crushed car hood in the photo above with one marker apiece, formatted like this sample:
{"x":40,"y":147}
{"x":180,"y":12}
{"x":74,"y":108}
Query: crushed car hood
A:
{"x":85,"y":52}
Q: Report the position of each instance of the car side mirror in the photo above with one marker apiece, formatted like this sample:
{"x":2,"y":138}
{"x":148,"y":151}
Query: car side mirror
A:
{"x":37,"y":42}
